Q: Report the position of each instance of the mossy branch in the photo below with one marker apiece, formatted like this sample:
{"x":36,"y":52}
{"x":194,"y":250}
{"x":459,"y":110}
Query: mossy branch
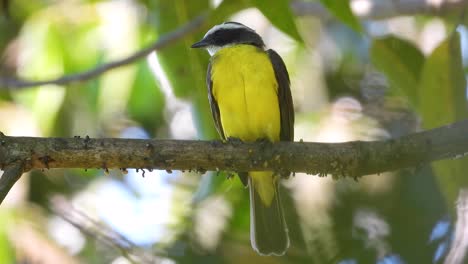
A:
{"x":349,"y":159}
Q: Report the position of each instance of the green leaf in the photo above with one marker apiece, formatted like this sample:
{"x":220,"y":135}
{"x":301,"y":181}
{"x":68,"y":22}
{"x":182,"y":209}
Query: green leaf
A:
{"x":341,"y":10}
{"x":442,"y":92}
{"x":401,"y":62}
{"x":146,"y":101}
{"x":280,"y":15}
{"x":278,"y":12}
{"x":226,"y":9}
{"x":443,"y":86}
{"x":46,"y":59}
{"x":7,"y":253}
{"x":221,"y":183}
{"x":185,"y":68}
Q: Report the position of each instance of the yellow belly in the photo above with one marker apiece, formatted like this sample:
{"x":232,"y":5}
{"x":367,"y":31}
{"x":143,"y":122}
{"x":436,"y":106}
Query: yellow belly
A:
{"x":245,"y":88}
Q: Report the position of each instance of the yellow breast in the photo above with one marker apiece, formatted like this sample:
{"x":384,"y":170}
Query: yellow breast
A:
{"x":245,"y":88}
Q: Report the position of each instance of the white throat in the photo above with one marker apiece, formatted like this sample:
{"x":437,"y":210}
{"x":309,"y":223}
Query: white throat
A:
{"x":212,"y":50}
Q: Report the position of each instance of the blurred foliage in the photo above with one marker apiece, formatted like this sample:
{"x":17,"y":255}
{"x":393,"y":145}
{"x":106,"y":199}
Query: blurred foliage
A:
{"x":435,"y":86}
{"x":279,"y":15}
{"x":444,"y":69}
{"x":402,"y":63}
{"x":351,"y":80}
{"x":6,"y":250}
{"x":343,"y":12}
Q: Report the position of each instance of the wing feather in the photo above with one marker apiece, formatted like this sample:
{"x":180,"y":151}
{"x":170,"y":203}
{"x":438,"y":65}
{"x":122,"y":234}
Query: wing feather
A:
{"x":284,"y":96}
{"x":213,"y":104}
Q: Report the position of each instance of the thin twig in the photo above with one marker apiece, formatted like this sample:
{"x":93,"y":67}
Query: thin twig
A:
{"x":6,"y":83}
{"x":11,"y":174}
{"x":101,"y":232}
{"x":377,"y":9}
{"x":348,"y":159}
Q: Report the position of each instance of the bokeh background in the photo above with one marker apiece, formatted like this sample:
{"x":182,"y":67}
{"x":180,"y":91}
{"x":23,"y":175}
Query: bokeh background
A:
{"x":365,"y":77}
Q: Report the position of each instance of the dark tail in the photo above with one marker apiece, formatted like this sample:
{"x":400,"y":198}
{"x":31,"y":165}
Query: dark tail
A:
{"x":268,"y":230}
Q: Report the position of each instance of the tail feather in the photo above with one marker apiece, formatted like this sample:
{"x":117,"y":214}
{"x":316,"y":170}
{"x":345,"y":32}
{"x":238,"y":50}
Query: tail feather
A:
{"x":268,"y":230}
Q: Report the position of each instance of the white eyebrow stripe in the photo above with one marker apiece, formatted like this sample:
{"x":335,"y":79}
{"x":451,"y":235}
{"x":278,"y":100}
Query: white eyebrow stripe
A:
{"x":226,"y":26}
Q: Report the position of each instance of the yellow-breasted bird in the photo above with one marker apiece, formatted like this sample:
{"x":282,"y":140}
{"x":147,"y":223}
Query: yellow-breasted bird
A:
{"x":250,"y":98}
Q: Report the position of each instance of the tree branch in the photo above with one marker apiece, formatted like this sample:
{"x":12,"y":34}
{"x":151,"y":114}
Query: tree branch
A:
{"x":364,"y":9}
{"x":378,"y":9}
{"x":162,"y":42}
{"x":349,"y":159}
{"x":11,"y":174}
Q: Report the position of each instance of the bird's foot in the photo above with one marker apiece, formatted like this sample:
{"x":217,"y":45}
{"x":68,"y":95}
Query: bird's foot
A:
{"x":284,"y":174}
{"x":263,"y":142}
{"x":234,"y":141}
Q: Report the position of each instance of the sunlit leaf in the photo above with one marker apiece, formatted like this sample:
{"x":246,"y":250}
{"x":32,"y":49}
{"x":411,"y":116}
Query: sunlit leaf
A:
{"x":342,"y":10}
{"x":218,"y":182}
{"x":184,"y":67}
{"x":81,"y":52}
{"x":401,"y":62}
{"x":442,"y":93}
{"x":45,"y":51}
{"x":226,"y":9}
{"x":6,"y":249}
{"x":22,"y":9}
{"x":146,"y":101}
{"x":280,"y":15}
{"x":443,"y":85}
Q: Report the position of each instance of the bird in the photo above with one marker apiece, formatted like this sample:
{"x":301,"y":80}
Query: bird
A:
{"x":250,"y":99}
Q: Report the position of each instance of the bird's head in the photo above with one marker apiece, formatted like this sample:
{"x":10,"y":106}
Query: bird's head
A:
{"x":228,"y":34}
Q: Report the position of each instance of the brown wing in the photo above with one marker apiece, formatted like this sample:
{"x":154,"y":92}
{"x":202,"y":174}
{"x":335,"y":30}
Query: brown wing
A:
{"x":284,"y":97}
{"x":213,"y":104}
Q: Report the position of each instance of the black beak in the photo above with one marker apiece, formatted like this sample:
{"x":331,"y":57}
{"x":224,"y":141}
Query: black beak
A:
{"x":200,"y":44}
